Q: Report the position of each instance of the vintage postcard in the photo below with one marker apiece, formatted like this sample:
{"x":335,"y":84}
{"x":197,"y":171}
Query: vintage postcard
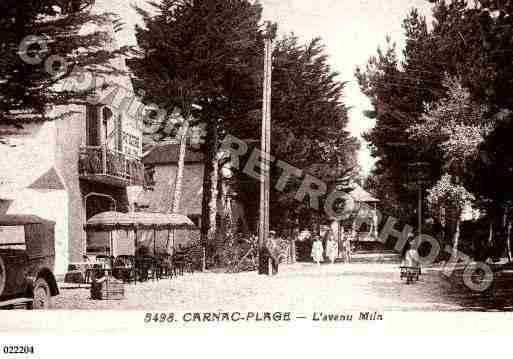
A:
{"x":247,"y":164}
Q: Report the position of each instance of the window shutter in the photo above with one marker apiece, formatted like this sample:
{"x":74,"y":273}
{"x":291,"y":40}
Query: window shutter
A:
{"x":119,"y":131}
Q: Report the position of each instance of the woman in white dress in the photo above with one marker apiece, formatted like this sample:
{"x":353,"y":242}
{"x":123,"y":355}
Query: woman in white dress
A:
{"x":410,"y":255}
{"x":317,"y":250}
{"x":410,"y":259}
{"x":346,"y":245}
{"x":331,"y":247}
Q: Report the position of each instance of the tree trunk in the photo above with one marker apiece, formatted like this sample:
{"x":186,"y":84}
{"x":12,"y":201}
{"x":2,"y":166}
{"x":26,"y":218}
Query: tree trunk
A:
{"x":212,"y":205}
{"x":210,"y":179}
{"x":226,"y":225}
{"x":490,"y":233}
{"x":508,"y":243}
{"x":456,"y":236}
{"x":221,"y":210}
{"x":177,"y":193}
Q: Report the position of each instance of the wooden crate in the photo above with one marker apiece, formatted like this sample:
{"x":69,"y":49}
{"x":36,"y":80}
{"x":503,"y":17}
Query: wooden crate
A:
{"x":107,"y":288}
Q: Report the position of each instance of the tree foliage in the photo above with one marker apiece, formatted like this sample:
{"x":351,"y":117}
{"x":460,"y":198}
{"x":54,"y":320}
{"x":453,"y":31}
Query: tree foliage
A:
{"x":447,"y":193}
{"x":197,"y":52}
{"x":210,"y":53}
{"x":309,"y":120}
{"x":470,"y":42}
{"x":309,"y":117}
{"x":200,"y":53}
{"x":28,"y":91}
{"x":456,"y":125}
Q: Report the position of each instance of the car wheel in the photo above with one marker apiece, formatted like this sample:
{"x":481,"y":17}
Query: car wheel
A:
{"x":42,"y":295}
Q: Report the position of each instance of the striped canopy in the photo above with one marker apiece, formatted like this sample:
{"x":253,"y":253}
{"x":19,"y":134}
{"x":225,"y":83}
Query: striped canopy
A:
{"x":157,"y":219}
{"x":109,"y":219}
{"x":112,"y":219}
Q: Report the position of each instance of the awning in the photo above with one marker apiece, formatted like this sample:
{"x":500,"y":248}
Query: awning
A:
{"x":157,"y":219}
{"x":109,"y":219}
{"x":112,"y":219}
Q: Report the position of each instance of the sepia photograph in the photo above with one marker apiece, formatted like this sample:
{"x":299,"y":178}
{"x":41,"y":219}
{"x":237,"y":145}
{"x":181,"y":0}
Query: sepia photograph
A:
{"x":254,"y":162}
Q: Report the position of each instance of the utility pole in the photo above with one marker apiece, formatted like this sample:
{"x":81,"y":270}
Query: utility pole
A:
{"x":263,"y":230}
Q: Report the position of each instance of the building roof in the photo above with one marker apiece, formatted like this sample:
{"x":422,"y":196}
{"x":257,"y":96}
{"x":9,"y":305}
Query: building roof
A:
{"x":21,"y":219}
{"x":169,"y":153}
{"x":49,"y":180}
{"x":160,"y":198}
{"x":361,"y":195}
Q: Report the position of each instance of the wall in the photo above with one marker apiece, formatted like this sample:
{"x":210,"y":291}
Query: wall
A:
{"x":22,"y":165}
{"x":70,"y":135}
{"x":31,"y":156}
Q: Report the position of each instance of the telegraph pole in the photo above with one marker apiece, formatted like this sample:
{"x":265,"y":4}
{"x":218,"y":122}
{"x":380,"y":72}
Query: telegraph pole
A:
{"x":263,"y":230}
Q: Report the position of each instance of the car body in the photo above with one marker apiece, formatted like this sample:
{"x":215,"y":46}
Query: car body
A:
{"x":27,"y":259}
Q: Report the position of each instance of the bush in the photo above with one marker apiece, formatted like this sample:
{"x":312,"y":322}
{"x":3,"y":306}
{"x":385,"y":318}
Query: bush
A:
{"x":239,"y":253}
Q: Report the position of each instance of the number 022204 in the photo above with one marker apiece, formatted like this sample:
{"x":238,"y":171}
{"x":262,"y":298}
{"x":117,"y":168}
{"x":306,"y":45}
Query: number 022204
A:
{"x":18,"y":349}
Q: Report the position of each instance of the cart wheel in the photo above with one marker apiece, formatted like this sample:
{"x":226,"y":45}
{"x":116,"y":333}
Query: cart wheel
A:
{"x":42,"y":295}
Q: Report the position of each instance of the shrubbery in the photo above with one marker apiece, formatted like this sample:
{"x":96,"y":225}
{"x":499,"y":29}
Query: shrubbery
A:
{"x":239,"y":253}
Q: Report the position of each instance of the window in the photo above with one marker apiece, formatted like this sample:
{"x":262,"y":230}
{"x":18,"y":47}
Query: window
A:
{"x":92,"y":126}
{"x":12,"y":237}
{"x":108,"y":126}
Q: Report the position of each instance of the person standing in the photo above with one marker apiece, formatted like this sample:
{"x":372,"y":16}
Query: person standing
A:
{"x":410,"y":254}
{"x":273,"y":251}
{"x":347,"y":245}
{"x":411,"y":259}
{"x":340,"y":242}
{"x":331,"y":247}
{"x":304,"y":235}
{"x":317,"y":249}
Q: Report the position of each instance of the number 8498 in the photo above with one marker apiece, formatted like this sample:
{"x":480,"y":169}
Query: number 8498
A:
{"x":159,"y":317}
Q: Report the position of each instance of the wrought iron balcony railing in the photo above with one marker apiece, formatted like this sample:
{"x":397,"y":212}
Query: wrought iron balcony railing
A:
{"x":98,"y":163}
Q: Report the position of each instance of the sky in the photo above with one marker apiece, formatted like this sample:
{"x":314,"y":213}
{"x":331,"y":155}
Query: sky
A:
{"x":352,"y":30}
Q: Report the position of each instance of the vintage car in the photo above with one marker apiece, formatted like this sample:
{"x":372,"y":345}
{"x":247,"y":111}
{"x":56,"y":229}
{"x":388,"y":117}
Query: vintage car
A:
{"x":27,"y":256}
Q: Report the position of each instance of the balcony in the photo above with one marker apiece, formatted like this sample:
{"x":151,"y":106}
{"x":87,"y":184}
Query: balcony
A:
{"x":101,"y":164}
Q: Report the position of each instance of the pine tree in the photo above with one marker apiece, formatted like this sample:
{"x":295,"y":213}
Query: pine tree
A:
{"x":309,"y":122}
{"x":28,"y":90}
{"x":203,"y":53}
{"x":471,"y":42}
